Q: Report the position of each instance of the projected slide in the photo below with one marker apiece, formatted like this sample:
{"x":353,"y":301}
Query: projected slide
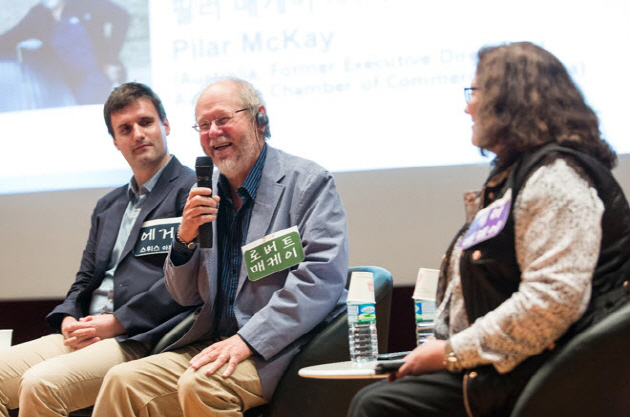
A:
{"x":351,"y":84}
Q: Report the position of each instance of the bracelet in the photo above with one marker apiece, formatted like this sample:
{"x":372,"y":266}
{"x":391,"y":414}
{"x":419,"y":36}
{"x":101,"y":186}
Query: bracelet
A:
{"x":190,"y":245}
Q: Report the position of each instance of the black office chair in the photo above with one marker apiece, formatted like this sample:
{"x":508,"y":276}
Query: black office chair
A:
{"x":312,"y":397}
{"x":589,"y":376}
{"x":305,"y":397}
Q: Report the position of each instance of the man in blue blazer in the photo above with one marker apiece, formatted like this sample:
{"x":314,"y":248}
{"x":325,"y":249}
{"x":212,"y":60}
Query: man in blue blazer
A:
{"x":249,"y":327}
{"x":118,"y":307}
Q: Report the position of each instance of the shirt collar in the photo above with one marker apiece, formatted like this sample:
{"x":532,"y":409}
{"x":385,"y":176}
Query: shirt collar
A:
{"x":250,"y":185}
{"x":148,"y":186}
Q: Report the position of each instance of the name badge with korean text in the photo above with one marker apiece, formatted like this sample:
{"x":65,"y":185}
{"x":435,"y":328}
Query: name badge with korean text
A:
{"x":488,"y":222}
{"x":272,"y":253}
{"x":156,"y":236}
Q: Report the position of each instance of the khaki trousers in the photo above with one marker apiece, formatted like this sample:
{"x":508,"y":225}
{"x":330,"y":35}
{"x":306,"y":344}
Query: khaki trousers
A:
{"x":45,"y":378}
{"x":165,"y":385}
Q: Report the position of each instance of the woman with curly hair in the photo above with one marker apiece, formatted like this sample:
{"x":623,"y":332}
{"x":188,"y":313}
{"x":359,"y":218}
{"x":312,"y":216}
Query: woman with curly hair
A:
{"x":545,"y":256}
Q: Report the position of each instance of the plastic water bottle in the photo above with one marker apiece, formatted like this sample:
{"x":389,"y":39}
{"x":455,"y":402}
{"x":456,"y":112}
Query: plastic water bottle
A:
{"x":425,"y":316}
{"x":362,"y":332}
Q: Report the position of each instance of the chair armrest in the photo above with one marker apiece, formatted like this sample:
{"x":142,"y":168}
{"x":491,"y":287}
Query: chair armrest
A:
{"x":589,"y":376}
{"x":174,"y":334}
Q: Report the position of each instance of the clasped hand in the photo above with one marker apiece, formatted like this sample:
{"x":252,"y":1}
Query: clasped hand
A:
{"x":90,"y":329}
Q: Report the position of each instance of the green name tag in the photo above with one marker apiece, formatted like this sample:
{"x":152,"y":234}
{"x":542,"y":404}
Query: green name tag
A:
{"x":272,"y":253}
{"x":156,"y":236}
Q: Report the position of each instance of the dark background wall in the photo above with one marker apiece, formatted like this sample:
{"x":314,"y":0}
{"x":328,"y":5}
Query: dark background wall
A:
{"x":27,"y":319}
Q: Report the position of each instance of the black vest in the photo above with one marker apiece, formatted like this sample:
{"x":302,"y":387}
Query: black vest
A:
{"x":489,"y":271}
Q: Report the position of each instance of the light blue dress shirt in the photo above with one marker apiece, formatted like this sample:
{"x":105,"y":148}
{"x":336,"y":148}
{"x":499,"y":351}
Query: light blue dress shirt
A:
{"x":103,"y":297}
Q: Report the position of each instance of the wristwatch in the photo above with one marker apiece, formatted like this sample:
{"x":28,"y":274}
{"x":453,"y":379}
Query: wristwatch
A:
{"x":450,"y":360}
{"x":190,"y":245}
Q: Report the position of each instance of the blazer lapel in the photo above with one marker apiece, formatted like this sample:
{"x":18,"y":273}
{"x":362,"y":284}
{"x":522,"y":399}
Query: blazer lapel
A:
{"x":267,"y":197}
{"x":159,"y":192}
{"x":111,"y":223}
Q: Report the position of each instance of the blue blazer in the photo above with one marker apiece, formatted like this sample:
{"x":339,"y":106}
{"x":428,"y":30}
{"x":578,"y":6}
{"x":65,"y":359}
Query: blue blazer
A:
{"x":275,"y":314}
{"x":141,"y":301}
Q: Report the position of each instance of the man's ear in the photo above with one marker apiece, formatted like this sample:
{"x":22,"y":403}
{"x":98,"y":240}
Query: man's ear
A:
{"x":167,"y":126}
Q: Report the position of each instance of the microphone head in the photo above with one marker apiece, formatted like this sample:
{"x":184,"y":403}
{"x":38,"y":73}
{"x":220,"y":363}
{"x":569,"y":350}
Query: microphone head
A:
{"x":203,"y":168}
{"x":204,"y":161}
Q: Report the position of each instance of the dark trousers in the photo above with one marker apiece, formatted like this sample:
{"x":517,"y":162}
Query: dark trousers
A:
{"x":436,"y":395}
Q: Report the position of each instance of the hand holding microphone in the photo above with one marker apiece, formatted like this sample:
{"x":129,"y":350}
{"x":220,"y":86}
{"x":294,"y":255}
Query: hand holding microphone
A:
{"x":203,"y":168}
{"x":201,"y":207}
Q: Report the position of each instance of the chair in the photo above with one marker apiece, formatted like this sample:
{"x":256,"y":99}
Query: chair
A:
{"x":295,"y":395}
{"x":589,"y":376}
{"x":331,"y":398}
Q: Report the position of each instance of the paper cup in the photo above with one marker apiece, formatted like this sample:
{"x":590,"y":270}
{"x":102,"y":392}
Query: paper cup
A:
{"x":426,"y":284}
{"x":5,"y":338}
{"x":361,"y":289}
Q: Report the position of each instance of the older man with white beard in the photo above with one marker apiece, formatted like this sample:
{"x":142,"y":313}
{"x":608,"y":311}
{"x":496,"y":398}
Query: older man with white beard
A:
{"x":247,"y":329}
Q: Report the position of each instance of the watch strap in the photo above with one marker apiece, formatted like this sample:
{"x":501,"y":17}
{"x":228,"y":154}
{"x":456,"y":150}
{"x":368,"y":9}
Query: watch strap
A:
{"x":451,"y":362}
{"x":190,"y":245}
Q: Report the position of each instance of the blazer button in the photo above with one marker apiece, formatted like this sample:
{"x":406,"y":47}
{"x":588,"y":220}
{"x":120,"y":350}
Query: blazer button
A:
{"x":476,"y":255}
{"x":491,"y":195}
{"x":472,"y":374}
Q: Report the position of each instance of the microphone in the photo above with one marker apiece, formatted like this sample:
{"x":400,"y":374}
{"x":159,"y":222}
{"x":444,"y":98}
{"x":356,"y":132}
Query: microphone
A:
{"x":204,"y":168}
